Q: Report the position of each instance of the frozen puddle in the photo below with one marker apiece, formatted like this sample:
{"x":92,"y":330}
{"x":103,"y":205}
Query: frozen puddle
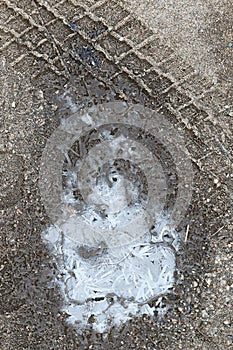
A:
{"x":107,"y":274}
{"x":105,"y":287}
{"x":115,"y":180}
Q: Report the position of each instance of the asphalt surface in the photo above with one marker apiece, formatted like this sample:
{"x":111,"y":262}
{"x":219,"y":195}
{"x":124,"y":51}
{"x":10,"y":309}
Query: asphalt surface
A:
{"x":58,"y":57}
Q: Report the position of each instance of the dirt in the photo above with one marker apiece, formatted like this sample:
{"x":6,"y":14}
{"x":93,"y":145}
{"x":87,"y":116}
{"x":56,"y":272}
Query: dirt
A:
{"x":56,"y":58}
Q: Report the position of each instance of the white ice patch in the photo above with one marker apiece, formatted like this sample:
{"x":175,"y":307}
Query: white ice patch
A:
{"x":111,"y":262}
{"x":110,"y":286}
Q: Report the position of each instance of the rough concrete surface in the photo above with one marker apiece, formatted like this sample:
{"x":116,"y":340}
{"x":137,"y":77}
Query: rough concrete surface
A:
{"x":199,"y":31}
{"x":60,"y":56}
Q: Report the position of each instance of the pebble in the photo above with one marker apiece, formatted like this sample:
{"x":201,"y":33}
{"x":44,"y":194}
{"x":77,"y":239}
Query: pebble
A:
{"x":205,"y":314}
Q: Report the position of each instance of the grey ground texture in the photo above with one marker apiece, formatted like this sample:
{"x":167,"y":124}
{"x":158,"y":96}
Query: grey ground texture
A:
{"x":172,"y":56}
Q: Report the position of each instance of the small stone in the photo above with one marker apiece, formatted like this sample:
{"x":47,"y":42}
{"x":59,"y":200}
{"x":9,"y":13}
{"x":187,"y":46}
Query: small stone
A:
{"x":13,"y":104}
{"x":174,"y":321}
{"x":39,"y":94}
{"x":205,"y":314}
{"x":195,"y":284}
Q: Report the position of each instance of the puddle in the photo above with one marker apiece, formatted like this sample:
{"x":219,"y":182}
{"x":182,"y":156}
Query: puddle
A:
{"x":116,"y":180}
{"x":106,"y":287}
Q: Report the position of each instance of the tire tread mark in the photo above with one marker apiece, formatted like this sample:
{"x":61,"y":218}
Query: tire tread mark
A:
{"x":196,"y":100}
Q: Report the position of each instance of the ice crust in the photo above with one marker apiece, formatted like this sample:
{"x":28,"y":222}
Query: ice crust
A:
{"x":109,"y":268}
{"x":113,"y":285}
